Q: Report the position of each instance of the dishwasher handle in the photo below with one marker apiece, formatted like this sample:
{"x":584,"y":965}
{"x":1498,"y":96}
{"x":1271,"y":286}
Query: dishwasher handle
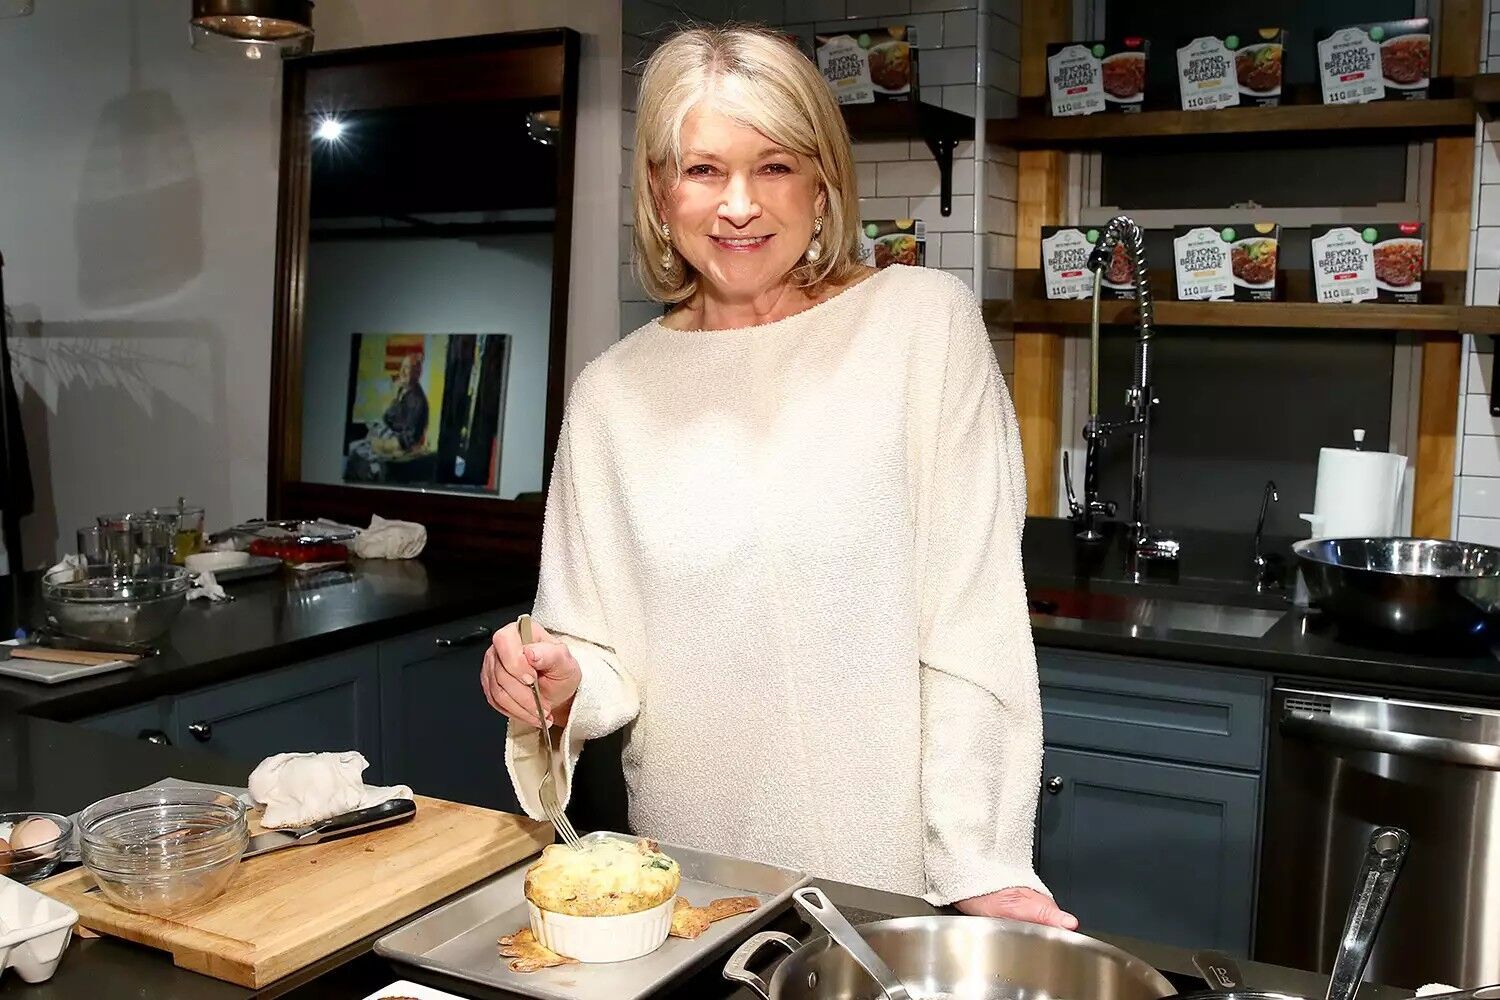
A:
{"x":1449,"y":751}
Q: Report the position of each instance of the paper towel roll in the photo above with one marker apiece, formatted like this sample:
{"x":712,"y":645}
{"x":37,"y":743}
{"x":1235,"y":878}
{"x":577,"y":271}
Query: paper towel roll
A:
{"x":1358,"y":493}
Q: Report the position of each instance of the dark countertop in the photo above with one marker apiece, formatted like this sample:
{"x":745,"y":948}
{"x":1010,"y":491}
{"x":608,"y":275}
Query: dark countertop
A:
{"x":65,"y":767}
{"x":53,"y":765}
{"x":272,"y":622}
{"x":1303,"y":646}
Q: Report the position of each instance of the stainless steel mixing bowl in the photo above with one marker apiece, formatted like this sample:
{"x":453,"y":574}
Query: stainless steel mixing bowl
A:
{"x":96,"y":604}
{"x":975,"y":958}
{"x":1406,"y":585}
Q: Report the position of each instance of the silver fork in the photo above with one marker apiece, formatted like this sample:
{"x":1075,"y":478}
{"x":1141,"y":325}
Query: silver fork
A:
{"x":548,"y":790}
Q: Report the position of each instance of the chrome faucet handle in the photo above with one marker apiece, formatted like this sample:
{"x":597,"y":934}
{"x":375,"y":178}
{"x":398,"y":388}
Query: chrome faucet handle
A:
{"x":1075,"y":509}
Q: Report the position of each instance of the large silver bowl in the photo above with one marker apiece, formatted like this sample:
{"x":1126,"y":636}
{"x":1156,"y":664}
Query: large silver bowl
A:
{"x":98,"y":605}
{"x":1410,"y":586}
{"x":976,"y":958}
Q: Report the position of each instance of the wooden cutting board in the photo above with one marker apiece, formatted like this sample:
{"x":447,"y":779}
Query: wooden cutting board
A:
{"x":285,"y":910}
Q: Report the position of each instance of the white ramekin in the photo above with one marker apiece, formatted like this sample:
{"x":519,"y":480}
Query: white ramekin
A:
{"x":602,"y":939}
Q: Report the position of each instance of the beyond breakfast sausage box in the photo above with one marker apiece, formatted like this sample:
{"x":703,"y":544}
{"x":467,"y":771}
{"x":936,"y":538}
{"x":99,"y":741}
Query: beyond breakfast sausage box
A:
{"x":1065,"y":268}
{"x":1383,"y":262}
{"x":1222,"y":71}
{"x":1391,"y":60}
{"x":1084,"y":78}
{"x":894,"y":241}
{"x":1234,"y":262}
{"x":864,"y":67}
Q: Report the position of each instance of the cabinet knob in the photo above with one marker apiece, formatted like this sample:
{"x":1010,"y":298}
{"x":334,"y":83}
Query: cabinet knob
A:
{"x":155,"y":736}
{"x":201,"y":731}
{"x":1054,"y":784}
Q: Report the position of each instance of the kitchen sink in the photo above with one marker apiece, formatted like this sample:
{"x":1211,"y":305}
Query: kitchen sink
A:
{"x":1141,"y":613}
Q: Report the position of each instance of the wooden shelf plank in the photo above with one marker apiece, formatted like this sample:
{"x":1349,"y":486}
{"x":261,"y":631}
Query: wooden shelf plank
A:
{"x":1285,"y":315}
{"x":1285,"y":124}
{"x":905,"y":120}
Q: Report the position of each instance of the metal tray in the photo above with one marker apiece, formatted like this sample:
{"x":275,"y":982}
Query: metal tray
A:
{"x":257,"y":566}
{"x":459,"y":938}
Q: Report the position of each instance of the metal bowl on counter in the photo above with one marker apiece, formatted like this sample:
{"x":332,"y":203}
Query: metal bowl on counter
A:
{"x":1410,"y":586}
{"x":163,"y":850}
{"x":98,"y":604}
{"x":977,"y":958}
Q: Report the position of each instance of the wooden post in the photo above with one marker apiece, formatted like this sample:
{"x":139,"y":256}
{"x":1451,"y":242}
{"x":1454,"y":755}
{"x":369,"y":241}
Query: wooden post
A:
{"x":1448,"y":240}
{"x":1041,"y":177}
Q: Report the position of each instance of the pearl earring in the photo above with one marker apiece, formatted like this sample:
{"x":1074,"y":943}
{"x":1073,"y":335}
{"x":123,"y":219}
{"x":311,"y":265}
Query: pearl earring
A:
{"x":815,"y":248}
{"x":667,"y":259}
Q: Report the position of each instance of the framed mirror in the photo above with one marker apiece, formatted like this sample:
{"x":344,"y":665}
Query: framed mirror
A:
{"x":422,"y":285}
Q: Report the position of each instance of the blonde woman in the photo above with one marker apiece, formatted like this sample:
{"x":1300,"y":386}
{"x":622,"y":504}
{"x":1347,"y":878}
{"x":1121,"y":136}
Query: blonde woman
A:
{"x":782,"y":540}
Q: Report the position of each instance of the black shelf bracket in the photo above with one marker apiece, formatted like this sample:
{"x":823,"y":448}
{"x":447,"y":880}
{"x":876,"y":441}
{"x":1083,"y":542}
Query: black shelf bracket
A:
{"x":942,"y":146}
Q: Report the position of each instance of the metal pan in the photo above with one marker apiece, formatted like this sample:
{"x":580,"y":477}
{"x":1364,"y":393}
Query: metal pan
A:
{"x":977,"y":958}
{"x":1410,"y":586}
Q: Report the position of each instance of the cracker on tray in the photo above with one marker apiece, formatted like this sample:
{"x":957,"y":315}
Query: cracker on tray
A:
{"x":527,"y":955}
{"x":689,"y":921}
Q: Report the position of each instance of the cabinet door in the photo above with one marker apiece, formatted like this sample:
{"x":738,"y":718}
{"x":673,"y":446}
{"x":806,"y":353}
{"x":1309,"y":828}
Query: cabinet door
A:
{"x":328,"y":704}
{"x":1164,"y":852}
{"x":441,"y":735}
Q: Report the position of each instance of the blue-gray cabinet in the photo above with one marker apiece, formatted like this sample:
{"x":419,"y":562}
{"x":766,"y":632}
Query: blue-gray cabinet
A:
{"x":152,"y":721}
{"x":440,"y":734}
{"x":331,"y":703}
{"x":1149,"y":811}
{"x":1152,"y":849}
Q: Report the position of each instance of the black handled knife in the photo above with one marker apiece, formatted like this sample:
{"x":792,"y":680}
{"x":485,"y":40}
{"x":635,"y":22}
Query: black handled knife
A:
{"x":385,"y":814}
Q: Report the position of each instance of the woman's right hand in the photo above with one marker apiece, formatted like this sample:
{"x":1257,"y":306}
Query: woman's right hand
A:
{"x":509,"y":668}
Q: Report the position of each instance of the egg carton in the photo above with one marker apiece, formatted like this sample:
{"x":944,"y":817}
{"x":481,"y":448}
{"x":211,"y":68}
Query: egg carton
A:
{"x":34,"y":931}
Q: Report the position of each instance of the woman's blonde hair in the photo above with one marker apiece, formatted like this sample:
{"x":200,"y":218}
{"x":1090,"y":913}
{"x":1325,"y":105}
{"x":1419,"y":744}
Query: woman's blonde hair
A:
{"x":762,"y":81}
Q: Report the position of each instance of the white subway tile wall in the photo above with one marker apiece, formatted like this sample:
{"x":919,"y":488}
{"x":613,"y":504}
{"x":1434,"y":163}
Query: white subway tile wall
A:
{"x":897,"y":178}
{"x":1477,"y":490}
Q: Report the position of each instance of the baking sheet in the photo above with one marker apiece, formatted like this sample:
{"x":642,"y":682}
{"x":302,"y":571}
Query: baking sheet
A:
{"x":460,"y":938}
{"x":257,"y":566}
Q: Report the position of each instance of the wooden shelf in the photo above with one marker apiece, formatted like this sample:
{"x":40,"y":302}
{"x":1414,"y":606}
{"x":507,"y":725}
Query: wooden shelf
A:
{"x":1287,"y":124}
{"x":1440,"y":317}
{"x":940,"y":128}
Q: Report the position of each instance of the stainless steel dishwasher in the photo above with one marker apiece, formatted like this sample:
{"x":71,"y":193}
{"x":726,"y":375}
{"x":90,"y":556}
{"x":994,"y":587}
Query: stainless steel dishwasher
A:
{"x":1341,"y":765}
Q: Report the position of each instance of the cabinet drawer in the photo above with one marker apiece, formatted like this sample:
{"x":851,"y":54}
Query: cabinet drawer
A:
{"x":472,"y":633}
{"x":1149,"y":708}
{"x":148,"y":719}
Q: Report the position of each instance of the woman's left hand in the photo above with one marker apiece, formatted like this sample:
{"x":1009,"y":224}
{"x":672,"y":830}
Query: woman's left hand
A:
{"x":1018,"y":903}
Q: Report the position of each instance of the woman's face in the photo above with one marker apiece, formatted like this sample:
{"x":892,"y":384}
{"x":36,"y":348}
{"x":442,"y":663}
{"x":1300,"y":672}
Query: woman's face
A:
{"x":742,"y":212}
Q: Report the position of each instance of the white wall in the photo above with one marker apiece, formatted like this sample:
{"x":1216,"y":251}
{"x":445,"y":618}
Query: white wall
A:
{"x":1476,"y":488}
{"x":137,"y":219}
{"x":500,"y":285}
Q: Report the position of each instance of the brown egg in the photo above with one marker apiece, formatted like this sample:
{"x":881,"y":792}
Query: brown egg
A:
{"x":33,"y":832}
{"x":4,"y":855}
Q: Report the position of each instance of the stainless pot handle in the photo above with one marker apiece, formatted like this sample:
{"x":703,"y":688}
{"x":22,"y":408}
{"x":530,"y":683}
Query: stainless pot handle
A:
{"x":1219,"y":971}
{"x":737,"y":969}
{"x":1392,"y":741}
{"x":1383,"y":859}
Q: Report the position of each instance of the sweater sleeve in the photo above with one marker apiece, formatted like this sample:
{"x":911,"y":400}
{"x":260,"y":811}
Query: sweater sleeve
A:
{"x":981,"y":706}
{"x":569,"y":606}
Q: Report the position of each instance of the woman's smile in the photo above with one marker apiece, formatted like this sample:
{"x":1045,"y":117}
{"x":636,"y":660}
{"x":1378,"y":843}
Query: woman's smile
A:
{"x":740,"y":244}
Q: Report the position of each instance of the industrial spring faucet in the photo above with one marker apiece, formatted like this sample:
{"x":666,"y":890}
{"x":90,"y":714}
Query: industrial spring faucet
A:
{"x":1146,"y":543}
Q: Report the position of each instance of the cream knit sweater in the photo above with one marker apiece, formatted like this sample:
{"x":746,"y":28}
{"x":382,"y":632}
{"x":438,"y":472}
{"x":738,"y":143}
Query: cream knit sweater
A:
{"x":788,"y":558}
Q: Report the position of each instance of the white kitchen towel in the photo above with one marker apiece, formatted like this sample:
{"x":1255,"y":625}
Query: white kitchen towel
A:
{"x":1433,"y":989}
{"x":74,"y":562}
{"x":204,"y":585}
{"x":385,"y":539}
{"x":299,"y":789}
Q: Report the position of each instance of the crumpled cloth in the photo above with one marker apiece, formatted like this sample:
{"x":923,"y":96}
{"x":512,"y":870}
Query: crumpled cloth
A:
{"x":300,"y":789}
{"x":385,"y":539}
{"x":204,"y":585}
{"x":73,"y":562}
